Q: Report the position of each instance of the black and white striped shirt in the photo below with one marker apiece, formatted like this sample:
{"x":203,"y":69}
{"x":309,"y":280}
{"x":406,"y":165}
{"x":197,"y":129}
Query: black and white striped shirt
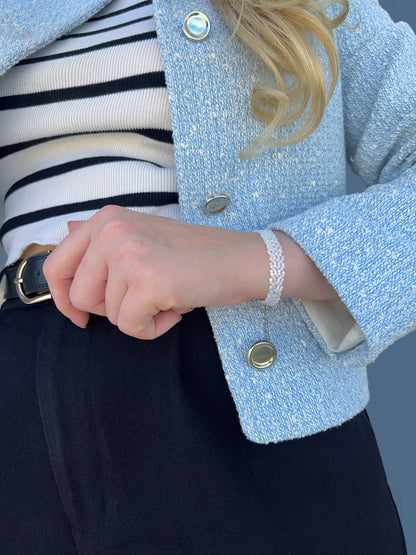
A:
{"x":85,"y":122}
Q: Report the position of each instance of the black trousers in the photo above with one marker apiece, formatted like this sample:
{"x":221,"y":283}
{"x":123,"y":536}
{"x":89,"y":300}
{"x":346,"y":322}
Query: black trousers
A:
{"x":111,"y":445}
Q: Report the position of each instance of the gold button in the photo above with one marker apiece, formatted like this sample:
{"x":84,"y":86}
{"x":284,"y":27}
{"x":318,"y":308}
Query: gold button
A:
{"x":262,"y":354}
{"x":196,"y":26}
{"x":217,"y":203}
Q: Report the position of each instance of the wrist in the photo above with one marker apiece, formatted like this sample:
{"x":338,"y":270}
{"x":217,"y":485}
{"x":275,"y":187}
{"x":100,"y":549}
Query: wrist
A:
{"x":250,"y":268}
{"x":303,"y":279}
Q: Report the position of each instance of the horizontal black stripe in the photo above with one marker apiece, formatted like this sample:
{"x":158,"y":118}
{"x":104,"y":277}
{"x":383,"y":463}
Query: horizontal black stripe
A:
{"x":154,"y":79}
{"x":74,"y":165}
{"x":106,"y":29}
{"x":126,"y":40}
{"x":119,"y":12}
{"x":132,"y":199}
{"x":161,"y":135}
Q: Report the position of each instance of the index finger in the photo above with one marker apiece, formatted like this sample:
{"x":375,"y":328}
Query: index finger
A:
{"x":59,"y":269}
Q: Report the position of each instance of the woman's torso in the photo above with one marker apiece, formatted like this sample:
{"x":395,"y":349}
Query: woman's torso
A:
{"x":86,"y":122}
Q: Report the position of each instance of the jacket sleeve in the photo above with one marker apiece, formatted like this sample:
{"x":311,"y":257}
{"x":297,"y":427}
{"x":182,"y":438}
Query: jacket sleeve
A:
{"x":365,"y":243}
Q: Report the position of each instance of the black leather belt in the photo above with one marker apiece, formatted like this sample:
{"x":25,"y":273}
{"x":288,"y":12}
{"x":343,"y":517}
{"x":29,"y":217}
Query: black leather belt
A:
{"x":25,"y":280}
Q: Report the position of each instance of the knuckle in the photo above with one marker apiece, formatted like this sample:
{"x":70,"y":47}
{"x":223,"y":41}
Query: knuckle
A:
{"x":165,"y":295}
{"x":112,"y":317}
{"x":139,"y":331}
{"x":146,"y":334}
{"x":130,"y":248}
{"x":126,"y":328}
{"x":113,"y":229}
{"x":167,"y":303}
{"x":110,"y":211}
{"x":129,"y":260}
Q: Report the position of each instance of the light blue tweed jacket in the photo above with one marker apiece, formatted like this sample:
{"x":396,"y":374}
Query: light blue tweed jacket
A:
{"x":365,"y":244}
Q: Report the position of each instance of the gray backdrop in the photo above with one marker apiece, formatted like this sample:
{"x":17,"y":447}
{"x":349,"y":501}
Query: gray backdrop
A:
{"x":393,"y":384}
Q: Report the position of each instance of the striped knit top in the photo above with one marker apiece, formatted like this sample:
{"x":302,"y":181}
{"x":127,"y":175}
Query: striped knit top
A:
{"x":85,"y":122}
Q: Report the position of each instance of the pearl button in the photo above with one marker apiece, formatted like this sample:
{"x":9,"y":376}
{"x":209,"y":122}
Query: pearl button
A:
{"x":217,"y":203}
{"x":262,"y":354}
{"x":196,"y":26}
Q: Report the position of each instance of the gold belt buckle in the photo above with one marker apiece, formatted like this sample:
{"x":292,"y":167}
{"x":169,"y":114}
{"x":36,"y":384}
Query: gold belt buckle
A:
{"x":18,"y":281}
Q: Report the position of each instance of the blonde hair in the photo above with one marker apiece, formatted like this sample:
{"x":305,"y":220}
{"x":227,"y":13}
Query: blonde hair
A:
{"x":282,"y":32}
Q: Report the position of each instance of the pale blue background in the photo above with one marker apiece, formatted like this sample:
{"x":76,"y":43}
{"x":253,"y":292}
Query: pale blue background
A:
{"x":393,"y":385}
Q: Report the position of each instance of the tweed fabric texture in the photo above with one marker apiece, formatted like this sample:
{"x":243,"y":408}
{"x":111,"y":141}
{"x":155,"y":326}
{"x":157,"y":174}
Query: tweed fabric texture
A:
{"x":363,"y":243}
{"x":28,"y":25}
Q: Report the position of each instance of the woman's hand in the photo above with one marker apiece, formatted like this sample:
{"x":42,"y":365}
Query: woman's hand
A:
{"x":142,"y":272}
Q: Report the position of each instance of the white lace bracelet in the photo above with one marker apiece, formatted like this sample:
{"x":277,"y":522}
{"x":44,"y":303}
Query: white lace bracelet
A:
{"x":276,"y":266}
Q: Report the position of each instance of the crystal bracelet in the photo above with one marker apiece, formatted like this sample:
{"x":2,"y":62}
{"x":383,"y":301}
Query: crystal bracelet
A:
{"x":276,"y":266}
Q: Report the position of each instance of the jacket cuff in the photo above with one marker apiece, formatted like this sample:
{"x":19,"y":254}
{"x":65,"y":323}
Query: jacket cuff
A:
{"x":364,"y":244}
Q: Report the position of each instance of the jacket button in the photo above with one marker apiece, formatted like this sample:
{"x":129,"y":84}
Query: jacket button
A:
{"x":217,"y":203}
{"x":262,"y":354}
{"x":196,"y":26}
